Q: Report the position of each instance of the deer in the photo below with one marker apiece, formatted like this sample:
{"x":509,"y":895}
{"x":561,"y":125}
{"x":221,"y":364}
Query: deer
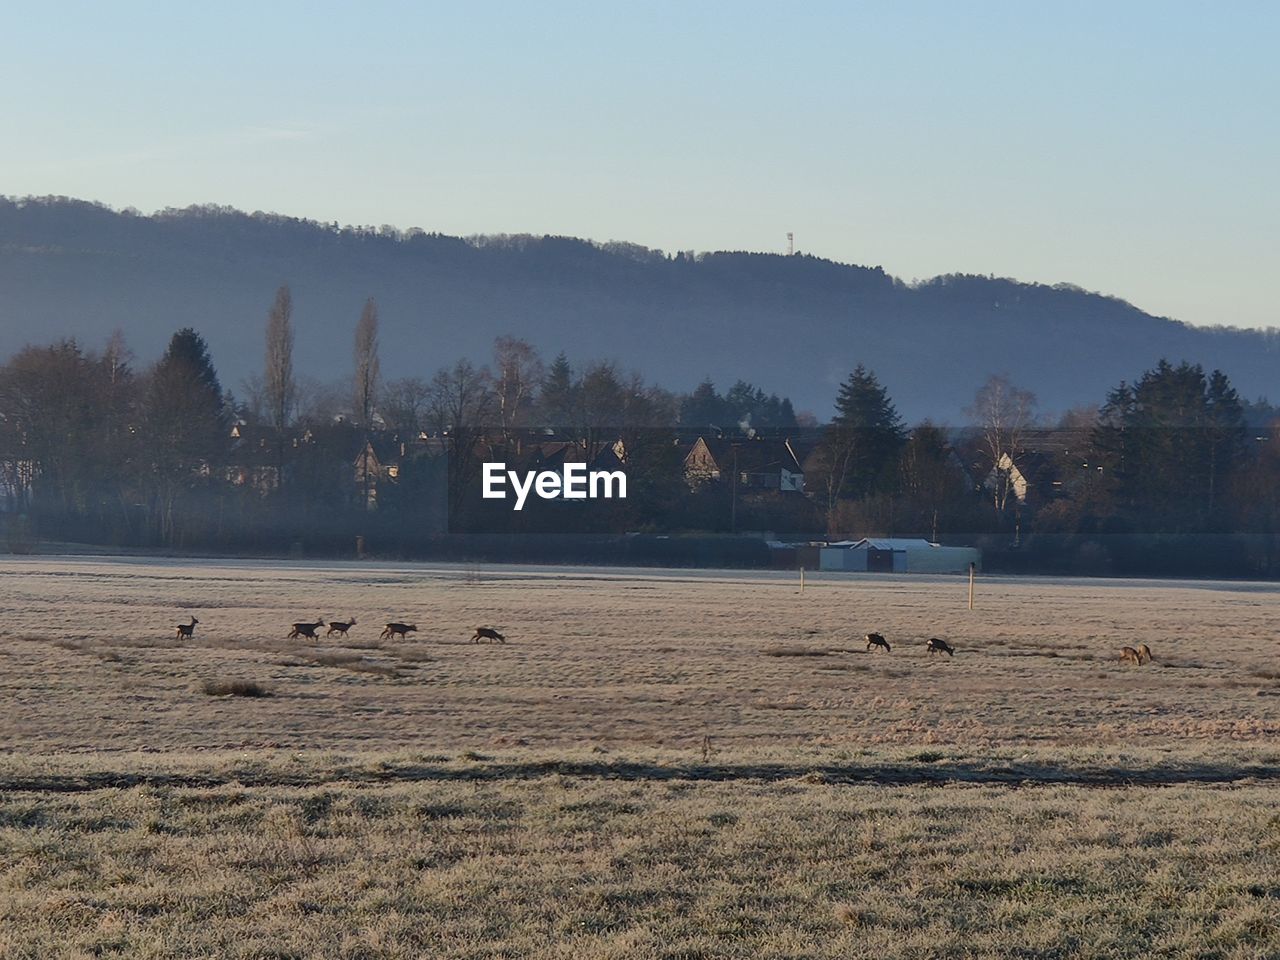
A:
{"x":340,"y":628}
{"x":398,"y":630}
{"x":307,"y":630}
{"x":187,"y":630}
{"x":875,"y":640}
{"x":489,"y":634}
{"x":1130,"y":655}
{"x":1144,"y":653}
{"x":934,"y":645}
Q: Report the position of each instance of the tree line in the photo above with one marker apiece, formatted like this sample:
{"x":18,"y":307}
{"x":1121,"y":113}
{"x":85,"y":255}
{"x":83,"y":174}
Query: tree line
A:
{"x":1170,"y":472}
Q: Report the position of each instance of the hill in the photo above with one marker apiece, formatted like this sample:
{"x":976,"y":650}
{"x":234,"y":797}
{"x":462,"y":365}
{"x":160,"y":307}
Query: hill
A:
{"x":794,"y":325}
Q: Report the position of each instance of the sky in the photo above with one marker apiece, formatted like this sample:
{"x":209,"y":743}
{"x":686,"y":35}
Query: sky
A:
{"x":1126,"y":147}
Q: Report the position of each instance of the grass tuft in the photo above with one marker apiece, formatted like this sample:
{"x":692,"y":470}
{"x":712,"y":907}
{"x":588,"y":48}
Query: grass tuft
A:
{"x":795,"y":651}
{"x":234,"y":688}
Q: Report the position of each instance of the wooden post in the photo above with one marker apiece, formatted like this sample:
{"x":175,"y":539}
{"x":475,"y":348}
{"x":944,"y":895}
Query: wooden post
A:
{"x":802,"y":579}
{"x":971,"y":570}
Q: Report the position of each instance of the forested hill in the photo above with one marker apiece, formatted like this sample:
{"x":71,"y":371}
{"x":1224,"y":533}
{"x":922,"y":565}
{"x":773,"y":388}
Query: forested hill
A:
{"x":794,"y":325}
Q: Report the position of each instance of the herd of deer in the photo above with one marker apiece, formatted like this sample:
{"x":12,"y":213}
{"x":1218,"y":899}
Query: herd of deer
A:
{"x":1138,"y":656}
{"x":311,"y":631}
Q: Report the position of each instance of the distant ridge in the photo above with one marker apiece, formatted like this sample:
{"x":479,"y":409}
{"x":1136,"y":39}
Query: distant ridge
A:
{"x":792,"y":325}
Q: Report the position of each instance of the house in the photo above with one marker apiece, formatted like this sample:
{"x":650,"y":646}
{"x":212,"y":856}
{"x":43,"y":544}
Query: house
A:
{"x":17,"y":472}
{"x":1038,"y":469}
{"x":364,"y":462}
{"x":17,"y":477}
{"x":753,"y":464}
{"x":380,"y":459}
{"x":255,"y":456}
{"x":554,"y":455}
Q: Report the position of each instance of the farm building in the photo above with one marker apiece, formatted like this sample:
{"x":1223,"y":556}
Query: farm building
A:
{"x":897,"y":555}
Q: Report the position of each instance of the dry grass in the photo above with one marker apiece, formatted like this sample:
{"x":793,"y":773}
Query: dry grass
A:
{"x":565,"y":866}
{"x":620,"y":659}
{"x":644,"y":770}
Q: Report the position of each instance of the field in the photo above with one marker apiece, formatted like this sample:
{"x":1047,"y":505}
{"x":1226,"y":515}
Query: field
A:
{"x":657,"y":764}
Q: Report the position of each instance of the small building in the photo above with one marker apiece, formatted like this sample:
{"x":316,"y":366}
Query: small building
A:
{"x":897,"y":555}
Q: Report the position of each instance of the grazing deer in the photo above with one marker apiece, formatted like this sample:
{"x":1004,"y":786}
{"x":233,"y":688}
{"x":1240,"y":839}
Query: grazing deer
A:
{"x":1130,"y":655}
{"x":340,"y":628}
{"x":187,"y":630}
{"x":398,"y":630}
{"x":307,"y":630}
{"x":489,"y":634}
{"x":875,"y":640}
{"x":940,"y":646}
{"x":1144,"y":653}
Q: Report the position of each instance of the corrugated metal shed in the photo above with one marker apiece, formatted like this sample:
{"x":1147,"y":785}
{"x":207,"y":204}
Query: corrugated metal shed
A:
{"x":897,"y":555}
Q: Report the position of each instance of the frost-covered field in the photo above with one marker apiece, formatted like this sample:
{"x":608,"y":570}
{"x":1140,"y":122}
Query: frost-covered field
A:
{"x":657,"y":764}
{"x":89,"y":660}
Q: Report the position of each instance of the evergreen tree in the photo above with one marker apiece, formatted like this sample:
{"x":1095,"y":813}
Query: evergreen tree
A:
{"x":867,"y":421}
{"x":859,"y":452}
{"x":931,"y":485}
{"x":1170,"y":444}
{"x":704,"y":408}
{"x":558,"y":398}
{"x":787,"y":415}
{"x":750,"y":408}
{"x":1226,"y":434}
{"x":186,"y":428}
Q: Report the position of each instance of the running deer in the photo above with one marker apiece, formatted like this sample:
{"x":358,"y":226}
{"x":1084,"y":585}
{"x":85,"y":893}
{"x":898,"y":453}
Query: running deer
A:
{"x":307,"y":630}
{"x":187,"y":630}
{"x":340,"y":628}
{"x":1130,"y":655}
{"x":398,"y":630}
{"x":489,"y":634}
{"x":940,"y":646}
{"x":875,"y":640}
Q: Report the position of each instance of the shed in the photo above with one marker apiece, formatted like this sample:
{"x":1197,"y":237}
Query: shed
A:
{"x":898,"y":555}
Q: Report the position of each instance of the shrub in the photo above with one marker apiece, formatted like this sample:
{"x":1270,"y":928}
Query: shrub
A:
{"x":234,"y":688}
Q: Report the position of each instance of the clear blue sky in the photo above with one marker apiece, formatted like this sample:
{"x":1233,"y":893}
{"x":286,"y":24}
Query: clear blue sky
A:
{"x":1126,"y":147}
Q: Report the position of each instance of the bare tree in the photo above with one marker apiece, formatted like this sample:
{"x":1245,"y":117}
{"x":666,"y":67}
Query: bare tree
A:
{"x":280,"y":390}
{"x":461,"y":398}
{"x":461,"y":406}
{"x":1003,"y":412}
{"x":118,"y":358}
{"x":368,"y":367}
{"x":365,"y":382}
{"x":829,"y":472}
{"x":519,"y":372}
{"x":324,"y":401}
{"x":404,"y":404}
